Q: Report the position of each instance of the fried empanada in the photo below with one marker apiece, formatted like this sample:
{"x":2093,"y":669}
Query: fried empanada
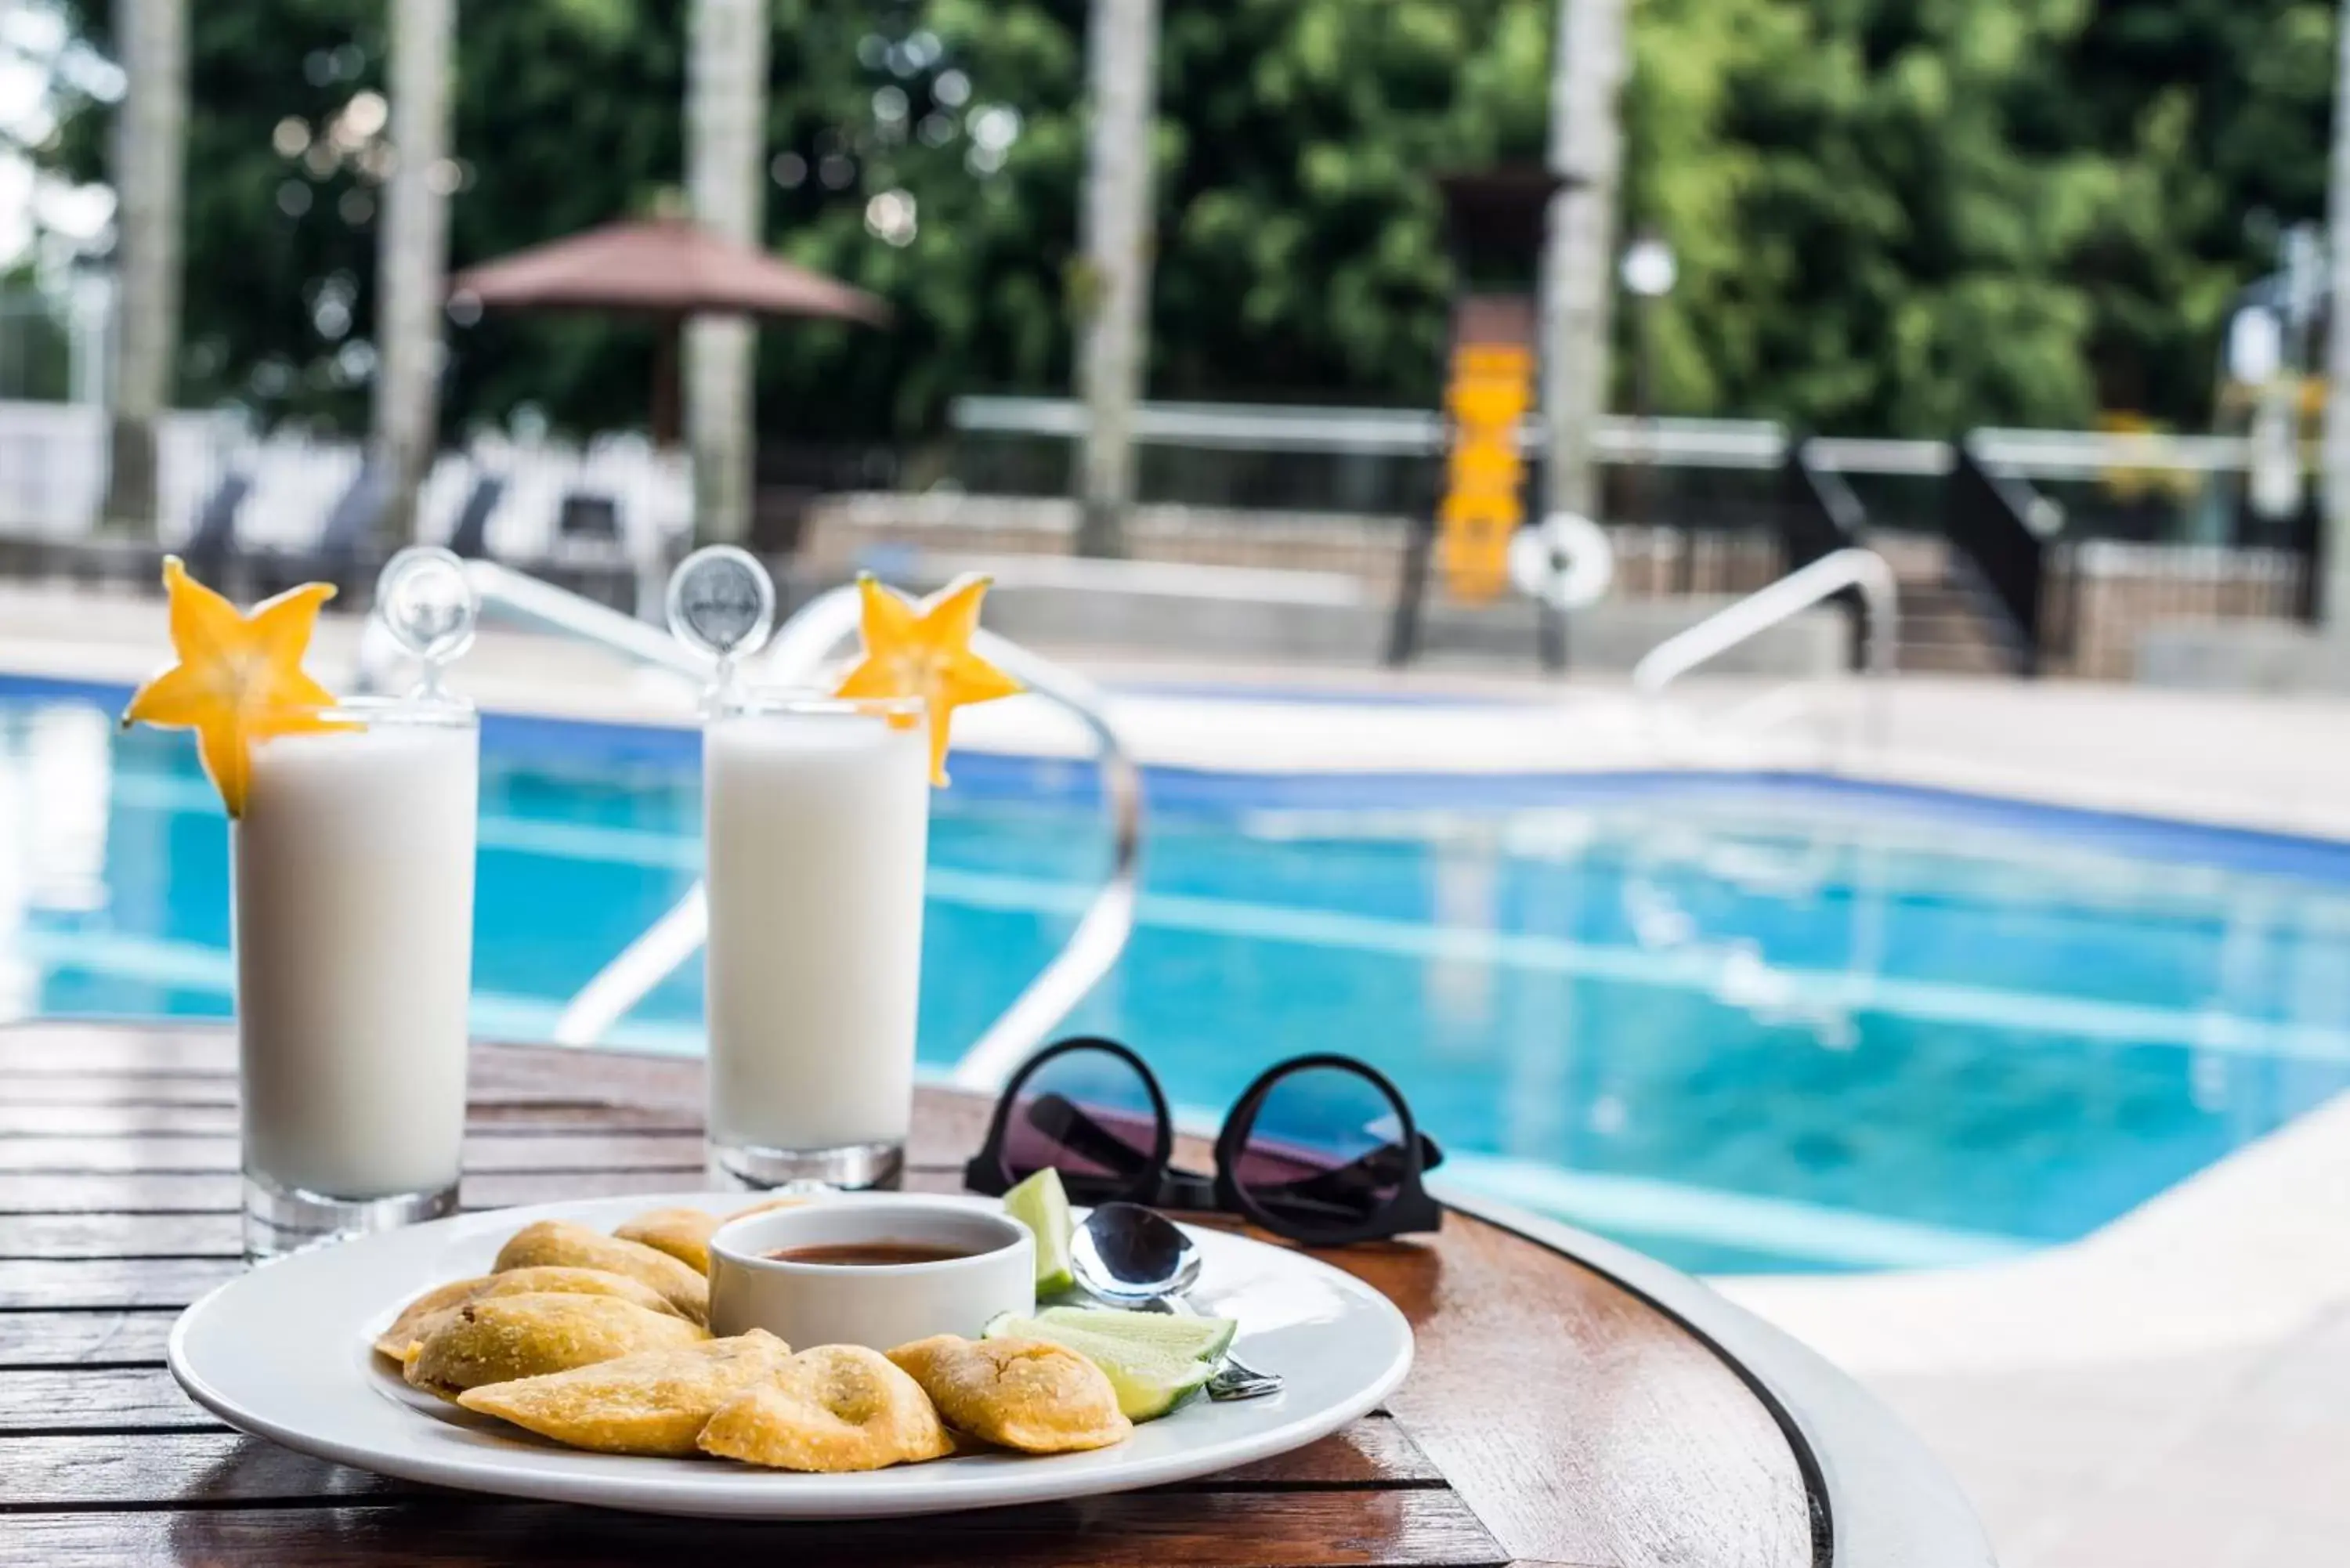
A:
{"x":562,"y":1245}
{"x":1025,"y":1393}
{"x":434,"y":1307}
{"x":685,"y":1233}
{"x":682,"y":1233}
{"x":834,"y":1409}
{"x":654,"y":1402}
{"x":502,"y":1338}
{"x":409,"y":1327}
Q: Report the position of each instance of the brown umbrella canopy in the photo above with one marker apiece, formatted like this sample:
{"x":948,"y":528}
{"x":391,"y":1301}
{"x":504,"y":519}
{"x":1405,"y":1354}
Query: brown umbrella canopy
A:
{"x":664,"y":267}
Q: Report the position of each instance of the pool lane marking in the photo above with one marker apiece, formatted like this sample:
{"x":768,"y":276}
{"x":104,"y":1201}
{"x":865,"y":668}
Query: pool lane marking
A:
{"x":1935,"y":1000}
{"x":1931,"y":1001}
{"x":1768,"y":988}
{"x":193,"y":967}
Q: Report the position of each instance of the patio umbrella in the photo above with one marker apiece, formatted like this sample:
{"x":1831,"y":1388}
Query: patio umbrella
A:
{"x":669,"y":269}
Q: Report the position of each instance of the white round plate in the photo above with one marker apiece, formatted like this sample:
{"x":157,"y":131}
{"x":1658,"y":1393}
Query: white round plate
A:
{"x":283,"y":1352}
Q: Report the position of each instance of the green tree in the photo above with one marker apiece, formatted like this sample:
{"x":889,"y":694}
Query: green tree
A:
{"x":1892,"y":215}
{"x":1305,"y":252}
{"x":2215,"y":115}
{"x":1876,"y":251}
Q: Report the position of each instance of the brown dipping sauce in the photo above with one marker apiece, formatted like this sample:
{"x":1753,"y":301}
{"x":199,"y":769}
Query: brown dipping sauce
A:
{"x":870,"y":1254}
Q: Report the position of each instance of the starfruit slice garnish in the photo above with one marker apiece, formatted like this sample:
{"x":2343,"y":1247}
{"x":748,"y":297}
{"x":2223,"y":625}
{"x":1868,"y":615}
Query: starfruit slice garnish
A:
{"x":924,"y":650}
{"x":239,"y":679}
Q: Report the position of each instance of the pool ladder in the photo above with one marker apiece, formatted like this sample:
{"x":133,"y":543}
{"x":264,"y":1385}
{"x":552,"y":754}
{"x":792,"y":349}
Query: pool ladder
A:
{"x":800,"y":649}
{"x":1852,"y":569}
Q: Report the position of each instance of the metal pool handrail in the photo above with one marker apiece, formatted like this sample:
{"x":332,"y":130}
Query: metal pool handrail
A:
{"x":1765,"y":607}
{"x":1852,"y":567}
{"x":800,"y":648}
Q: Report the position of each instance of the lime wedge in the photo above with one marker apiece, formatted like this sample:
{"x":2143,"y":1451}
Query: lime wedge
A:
{"x":1148,"y":1382}
{"x":1041,"y":1205}
{"x":1202,"y":1338}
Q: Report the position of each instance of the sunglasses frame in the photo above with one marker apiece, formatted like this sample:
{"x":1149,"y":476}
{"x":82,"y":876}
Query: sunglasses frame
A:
{"x":1159,"y":1184}
{"x":1411,"y":1209}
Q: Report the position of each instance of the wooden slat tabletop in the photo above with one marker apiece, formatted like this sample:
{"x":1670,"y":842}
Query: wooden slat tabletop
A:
{"x":1552,"y":1417}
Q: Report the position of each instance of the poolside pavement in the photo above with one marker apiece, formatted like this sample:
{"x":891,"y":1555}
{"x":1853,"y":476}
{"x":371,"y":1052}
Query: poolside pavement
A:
{"x":2174,"y":1388}
{"x":2273,"y":763}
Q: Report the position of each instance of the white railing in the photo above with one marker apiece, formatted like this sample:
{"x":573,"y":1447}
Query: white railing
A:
{"x":1758,"y":612}
{"x":1792,"y":595}
{"x":1403,"y":432}
{"x":801,"y":648}
{"x":1682,"y":442}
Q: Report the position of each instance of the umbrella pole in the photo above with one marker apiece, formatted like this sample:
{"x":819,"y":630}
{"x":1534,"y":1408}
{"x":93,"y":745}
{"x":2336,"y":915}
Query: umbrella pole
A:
{"x":668,"y":421}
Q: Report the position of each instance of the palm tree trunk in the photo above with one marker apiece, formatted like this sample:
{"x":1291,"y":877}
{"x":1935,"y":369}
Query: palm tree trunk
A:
{"x":1113,"y":301}
{"x":2333,"y":548}
{"x":1586,"y":151}
{"x":726,"y":124}
{"x":150,"y":155}
{"x":413,"y":254}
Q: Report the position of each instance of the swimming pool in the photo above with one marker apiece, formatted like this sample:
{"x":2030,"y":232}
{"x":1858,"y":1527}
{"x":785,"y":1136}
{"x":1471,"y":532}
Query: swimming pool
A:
{"x":1745,"y":1023}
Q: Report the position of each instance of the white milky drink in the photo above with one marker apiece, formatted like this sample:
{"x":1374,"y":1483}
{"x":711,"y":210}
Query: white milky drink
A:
{"x":354,"y":914}
{"x":817,"y":816}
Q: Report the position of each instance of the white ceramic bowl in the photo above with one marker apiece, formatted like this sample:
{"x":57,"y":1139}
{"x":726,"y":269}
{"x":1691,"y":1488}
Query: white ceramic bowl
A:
{"x":882,"y":1305}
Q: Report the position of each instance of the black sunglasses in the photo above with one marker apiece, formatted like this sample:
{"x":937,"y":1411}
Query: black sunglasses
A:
{"x":1321,"y":1148}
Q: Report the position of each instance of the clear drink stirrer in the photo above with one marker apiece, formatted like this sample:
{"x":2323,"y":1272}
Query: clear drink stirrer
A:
{"x":424,"y":601}
{"x":722,"y":603}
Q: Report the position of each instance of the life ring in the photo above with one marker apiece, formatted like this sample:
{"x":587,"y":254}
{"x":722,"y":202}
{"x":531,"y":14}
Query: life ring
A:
{"x":1564,"y":561}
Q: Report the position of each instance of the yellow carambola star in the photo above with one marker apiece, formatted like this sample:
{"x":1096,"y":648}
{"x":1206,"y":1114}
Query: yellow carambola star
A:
{"x":924,"y":650}
{"x":239,"y":679}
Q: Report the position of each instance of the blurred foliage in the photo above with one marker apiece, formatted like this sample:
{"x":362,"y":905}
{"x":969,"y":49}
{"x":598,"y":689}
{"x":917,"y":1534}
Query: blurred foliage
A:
{"x":1893,"y":216}
{"x":35,"y":350}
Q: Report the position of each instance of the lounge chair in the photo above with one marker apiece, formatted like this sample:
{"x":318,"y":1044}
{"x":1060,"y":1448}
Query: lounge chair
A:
{"x":471,"y":537}
{"x":590,"y":556}
{"x":211,"y":549}
{"x":347,"y":548}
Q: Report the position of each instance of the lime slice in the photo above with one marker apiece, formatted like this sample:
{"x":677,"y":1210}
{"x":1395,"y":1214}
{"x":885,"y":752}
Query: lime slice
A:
{"x":1202,"y":1338}
{"x":1041,"y":1205}
{"x":1148,"y":1382}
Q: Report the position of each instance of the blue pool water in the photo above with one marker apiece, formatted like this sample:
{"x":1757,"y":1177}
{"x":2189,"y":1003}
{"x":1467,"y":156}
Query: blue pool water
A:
{"x":1744,"y":1022}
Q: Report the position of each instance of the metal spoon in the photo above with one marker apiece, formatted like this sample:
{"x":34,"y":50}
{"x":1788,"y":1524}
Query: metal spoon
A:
{"x":1134,"y":1257}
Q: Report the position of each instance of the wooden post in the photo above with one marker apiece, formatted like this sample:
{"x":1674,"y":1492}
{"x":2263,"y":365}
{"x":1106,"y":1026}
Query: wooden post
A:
{"x":669,"y":337}
{"x":150,"y":157}
{"x":412,"y":256}
{"x":1587,"y":150}
{"x":1114,"y":300}
{"x":726,"y":139}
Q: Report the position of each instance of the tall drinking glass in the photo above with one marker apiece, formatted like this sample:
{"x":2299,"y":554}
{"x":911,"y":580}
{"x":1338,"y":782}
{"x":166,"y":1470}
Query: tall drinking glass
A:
{"x":817,"y":822}
{"x":353,"y":876}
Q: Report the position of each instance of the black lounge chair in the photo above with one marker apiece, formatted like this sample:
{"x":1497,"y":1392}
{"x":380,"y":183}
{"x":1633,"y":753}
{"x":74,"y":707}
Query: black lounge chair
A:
{"x":346,"y":553}
{"x":347,"y":546}
{"x":212,"y":542}
{"x":590,"y":516}
{"x":470,"y":537}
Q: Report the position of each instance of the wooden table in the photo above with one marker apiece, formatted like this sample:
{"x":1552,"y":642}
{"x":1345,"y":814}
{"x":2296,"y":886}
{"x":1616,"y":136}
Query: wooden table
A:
{"x":1554,"y":1416}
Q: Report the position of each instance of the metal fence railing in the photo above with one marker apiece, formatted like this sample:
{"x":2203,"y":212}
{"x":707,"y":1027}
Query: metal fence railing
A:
{"x":1693,"y":508}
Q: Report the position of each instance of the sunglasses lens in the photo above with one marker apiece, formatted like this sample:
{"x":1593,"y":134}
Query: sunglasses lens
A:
{"x":1324,"y":1152}
{"x":1087,"y":1113}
